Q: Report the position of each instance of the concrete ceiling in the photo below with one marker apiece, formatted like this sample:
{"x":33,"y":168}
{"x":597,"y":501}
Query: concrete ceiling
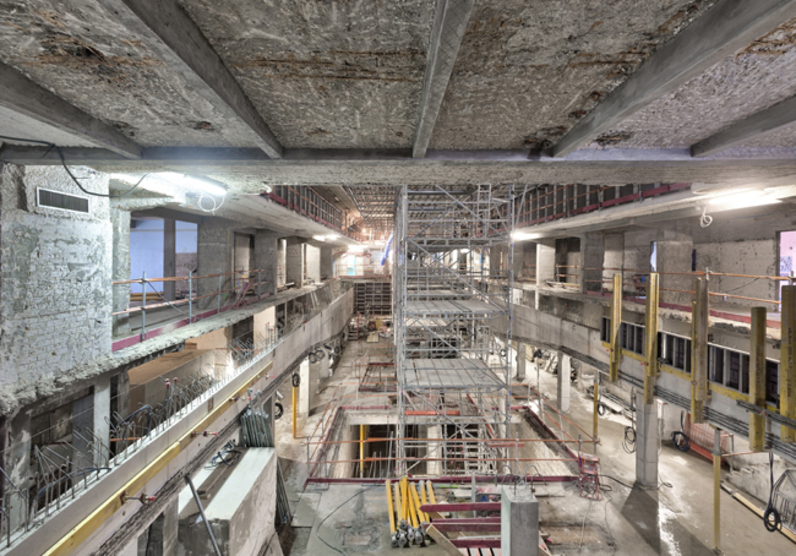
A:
{"x":333,"y":94}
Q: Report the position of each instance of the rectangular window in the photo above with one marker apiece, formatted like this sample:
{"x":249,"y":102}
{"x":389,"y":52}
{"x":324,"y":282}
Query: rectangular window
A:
{"x":772,"y":382}
{"x":716,"y":364}
{"x":733,"y":370}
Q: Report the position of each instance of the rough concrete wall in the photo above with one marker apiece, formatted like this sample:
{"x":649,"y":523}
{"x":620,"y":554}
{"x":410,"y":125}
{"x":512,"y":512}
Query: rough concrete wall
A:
{"x":636,"y":256}
{"x":570,"y":53}
{"x":80,"y":51}
{"x":55,"y":275}
{"x":120,"y":221}
{"x":213,"y":255}
{"x":592,"y":246}
{"x":614,"y":258}
{"x":325,"y":74}
{"x":327,"y":263}
{"x":674,"y":256}
{"x":545,"y":263}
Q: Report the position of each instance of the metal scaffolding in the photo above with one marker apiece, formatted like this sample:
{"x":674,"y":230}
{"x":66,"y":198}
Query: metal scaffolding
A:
{"x":453,"y":265}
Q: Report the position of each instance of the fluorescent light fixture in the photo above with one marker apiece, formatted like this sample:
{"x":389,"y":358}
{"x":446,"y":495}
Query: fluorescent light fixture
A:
{"x":464,"y":250}
{"x":329,"y":237}
{"x":519,"y":236}
{"x":745,"y":200}
{"x":356,"y":248}
{"x":209,"y":186}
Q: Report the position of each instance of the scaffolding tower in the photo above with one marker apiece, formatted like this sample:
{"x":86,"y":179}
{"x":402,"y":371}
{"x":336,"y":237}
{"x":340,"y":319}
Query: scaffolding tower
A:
{"x":453,"y":308}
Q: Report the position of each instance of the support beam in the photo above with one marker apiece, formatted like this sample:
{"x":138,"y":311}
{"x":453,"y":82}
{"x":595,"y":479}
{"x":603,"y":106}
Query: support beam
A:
{"x":450,"y":23}
{"x":787,"y":366}
{"x":757,"y":125}
{"x":20,"y":94}
{"x":699,"y":351}
{"x":616,"y":322}
{"x":757,"y":379}
{"x":651,"y":339}
{"x":177,"y":41}
{"x":727,"y":27}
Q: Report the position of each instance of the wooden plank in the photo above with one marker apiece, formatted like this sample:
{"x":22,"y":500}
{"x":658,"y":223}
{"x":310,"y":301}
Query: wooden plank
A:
{"x":442,"y":541}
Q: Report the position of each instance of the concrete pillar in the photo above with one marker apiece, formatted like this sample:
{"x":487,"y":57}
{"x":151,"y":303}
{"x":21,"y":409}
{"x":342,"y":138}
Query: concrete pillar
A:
{"x":213,"y":255}
{"x":120,"y":222}
{"x":266,"y":254}
{"x":171,"y":526}
{"x":646,"y":442}
{"x":308,"y":386}
{"x":102,"y":410}
{"x":169,"y":257}
{"x":294,"y":261}
{"x":564,"y":386}
{"x":327,"y":265}
{"x":522,"y":361}
{"x":434,"y":450}
{"x":592,"y":248}
{"x":613,"y":257}
{"x":15,"y":460}
{"x":545,"y":266}
{"x":674,"y":254}
{"x":517,"y":261}
{"x":519,"y":521}
{"x":313,"y":262}
{"x":83,"y":425}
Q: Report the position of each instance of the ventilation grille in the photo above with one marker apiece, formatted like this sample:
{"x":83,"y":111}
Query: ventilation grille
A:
{"x":62,"y":201}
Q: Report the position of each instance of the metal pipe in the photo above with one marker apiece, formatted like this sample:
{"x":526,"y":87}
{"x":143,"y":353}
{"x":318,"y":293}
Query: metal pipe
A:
{"x":202,"y":512}
{"x":596,"y":410}
{"x":293,"y":409}
{"x":716,"y":489}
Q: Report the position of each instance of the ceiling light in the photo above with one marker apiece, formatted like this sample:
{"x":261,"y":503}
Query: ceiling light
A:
{"x":267,"y":188}
{"x":519,"y":236}
{"x":356,"y":248}
{"x":745,"y":200}
{"x":207,"y":185}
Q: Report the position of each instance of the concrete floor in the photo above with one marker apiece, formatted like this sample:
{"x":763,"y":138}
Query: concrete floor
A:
{"x":674,"y":520}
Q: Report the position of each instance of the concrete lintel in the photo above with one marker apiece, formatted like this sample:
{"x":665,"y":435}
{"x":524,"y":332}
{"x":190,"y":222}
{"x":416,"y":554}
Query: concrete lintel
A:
{"x":177,"y":40}
{"x":20,"y":94}
{"x":727,"y":27}
{"x":755,"y":126}
{"x":450,"y":23}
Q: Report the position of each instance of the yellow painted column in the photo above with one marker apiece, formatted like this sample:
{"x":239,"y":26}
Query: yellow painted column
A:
{"x":361,"y":451}
{"x":651,"y":339}
{"x":757,"y":379}
{"x":717,"y":490}
{"x":596,"y":413}
{"x":390,"y":508}
{"x":787,"y":365}
{"x":616,"y":321}
{"x":295,"y":408}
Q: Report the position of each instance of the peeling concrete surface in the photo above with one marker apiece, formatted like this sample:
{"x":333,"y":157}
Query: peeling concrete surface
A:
{"x":528,"y":71}
{"x":751,"y":80}
{"x":325,"y":74}
{"x":80,"y":52}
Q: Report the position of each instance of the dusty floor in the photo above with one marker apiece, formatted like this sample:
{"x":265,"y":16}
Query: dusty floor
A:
{"x":673,"y":520}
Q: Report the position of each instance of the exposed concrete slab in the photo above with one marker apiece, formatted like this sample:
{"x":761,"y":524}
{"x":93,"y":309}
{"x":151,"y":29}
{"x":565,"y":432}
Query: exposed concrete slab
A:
{"x":519,"y":521}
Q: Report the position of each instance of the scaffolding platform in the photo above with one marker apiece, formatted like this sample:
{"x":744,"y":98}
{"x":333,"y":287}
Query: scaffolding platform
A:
{"x":451,"y":374}
{"x":458,"y":307}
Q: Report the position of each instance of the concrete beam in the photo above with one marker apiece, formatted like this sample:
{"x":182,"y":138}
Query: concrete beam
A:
{"x":20,"y":94}
{"x":755,"y":126}
{"x":175,"y":39}
{"x":727,"y":27}
{"x":450,"y":23}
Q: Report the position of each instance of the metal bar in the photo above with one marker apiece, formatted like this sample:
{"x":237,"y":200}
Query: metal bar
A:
{"x":204,"y":517}
{"x":757,"y":379}
{"x":716,"y":490}
{"x":616,"y":323}
{"x":787,"y":364}
{"x":651,"y":339}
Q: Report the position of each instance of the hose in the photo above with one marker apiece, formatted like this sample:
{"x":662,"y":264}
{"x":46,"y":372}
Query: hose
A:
{"x":681,"y":441}
{"x":296,"y":380}
{"x":279,"y":410}
{"x":771,"y":517}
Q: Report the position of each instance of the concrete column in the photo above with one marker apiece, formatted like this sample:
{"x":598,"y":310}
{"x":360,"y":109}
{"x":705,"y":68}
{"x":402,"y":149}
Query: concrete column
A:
{"x":646,"y":442}
{"x":592,"y":248}
{"x":613,"y":257}
{"x":169,"y":257}
{"x":102,"y":410}
{"x":674,"y":252}
{"x":15,"y":460}
{"x":308,"y":386}
{"x":545,"y":266}
{"x":517,"y":261}
{"x":327,"y":266}
{"x":313,"y":263}
{"x":564,"y":386}
{"x":266,"y":253}
{"x":519,"y":521}
{"x":434,"y":468}
{"x":294,"y":261}
{"x":522,"y":361}
{"x":120,"y":222}
{"x":171,"y":525}
{"x":213,"y":255}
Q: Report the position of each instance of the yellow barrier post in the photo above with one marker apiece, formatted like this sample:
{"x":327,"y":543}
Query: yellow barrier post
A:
{"x":361,"y":451}
{"x":390,"y":509}
{"x":616,"y":322}
{"x":716,"y":489}
{"x":295,"y":406}
{"x":651,"y":339}
{"x":596,"y":412}
{"x":787,"y":365}
{"x":699,"y":350}
{"x":757,"y":379}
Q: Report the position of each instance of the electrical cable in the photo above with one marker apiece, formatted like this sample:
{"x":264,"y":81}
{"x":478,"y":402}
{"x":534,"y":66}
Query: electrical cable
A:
{"x":679,"y":438}
{"x":771,"y":517}
{"x":705,"y":220}
{"x":59,"y":152}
